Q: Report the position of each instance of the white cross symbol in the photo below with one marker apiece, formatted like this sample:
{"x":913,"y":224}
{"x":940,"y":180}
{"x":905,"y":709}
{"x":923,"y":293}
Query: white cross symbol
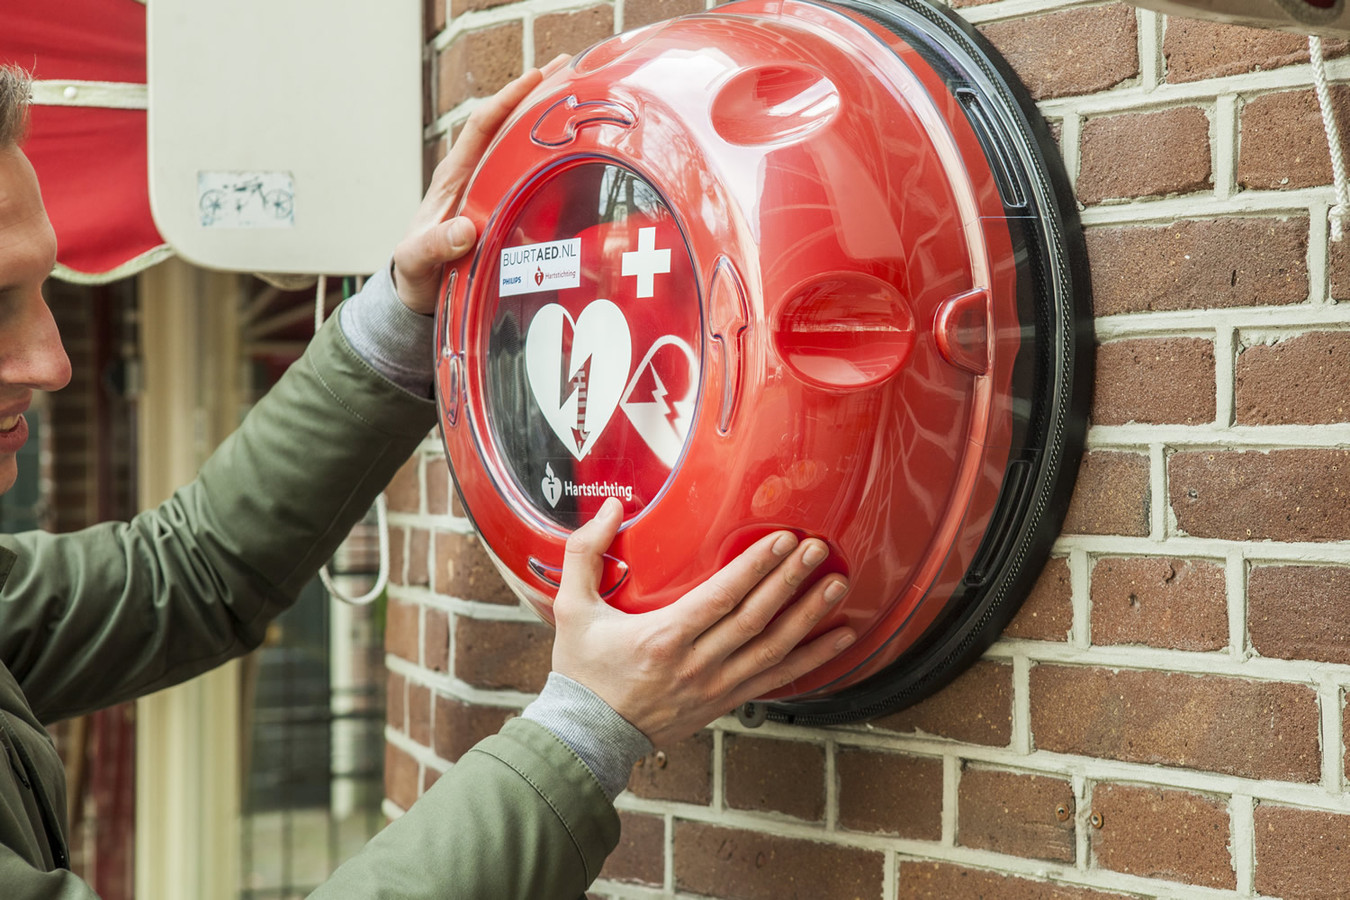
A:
{"x":646,"y":262}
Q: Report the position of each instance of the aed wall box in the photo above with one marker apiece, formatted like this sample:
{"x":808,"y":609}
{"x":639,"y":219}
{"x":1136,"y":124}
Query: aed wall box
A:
{"x":783,"y":264}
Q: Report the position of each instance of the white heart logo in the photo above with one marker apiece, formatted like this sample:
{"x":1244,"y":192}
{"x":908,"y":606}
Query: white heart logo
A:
{"x":577,"y":387}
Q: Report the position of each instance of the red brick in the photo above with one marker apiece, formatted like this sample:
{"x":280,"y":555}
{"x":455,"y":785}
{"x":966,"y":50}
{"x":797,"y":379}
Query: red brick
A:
{"x":1077,"y":51}
{"x":943,"y":881}
{"x":1339,"y":263}
{"x":436,"y":645}
{"x":1301,"y":853}
{"x":976,"y":708}
{"x":1301,"y":380}
{"x":1047,"y":613}
{"x":1154,"y":381}
{"x":437,"y":475}
{"x":402,"y":781}
{"x":637,"y":13}
{"x":429,"y":777}
{"x":461,"y":725}
{"x":1200,"y":264}
{"x":1156,"y":833}
{"x":432,"y":153}
{"x":680,"y":772}
{"x":1251,"y":729}
{"x":1196,"y":49}
{"x":402,"y":634}
{"x":479,"y":62}
{"x":404,"y":491}
{"x":1300,"y":612}
{"x":463,"y":569}
{"x":459,"y":7}
{"x":434,"y":20}
{"x":1173,"y":603}
{"x":398,"y":555}
{"x":1283,"y":495}
{"x":747,"y":865}
{"x":571,"y":31}
{"x":1110,"y":495}
{"x":640,"y":857}
{"x":1144,"y":155}
{"x":1345,"y":733}
{"x":418,"y":572}
{"x":511,"y":655}
{"x":428,"y":100}
{"x":763,"y":774}
{"x":419,"y":713}
{"x":1283,"y":144}
{"x":1015,"y":813}
{"x":890,"y":793}
{"x":396,"y":702}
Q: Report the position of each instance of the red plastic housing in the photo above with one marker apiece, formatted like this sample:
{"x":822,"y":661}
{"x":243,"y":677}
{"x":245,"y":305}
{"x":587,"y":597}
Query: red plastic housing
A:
{"x":746,"y":270}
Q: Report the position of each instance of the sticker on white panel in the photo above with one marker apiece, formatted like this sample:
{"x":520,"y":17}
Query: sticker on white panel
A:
{"x":246,"y":199}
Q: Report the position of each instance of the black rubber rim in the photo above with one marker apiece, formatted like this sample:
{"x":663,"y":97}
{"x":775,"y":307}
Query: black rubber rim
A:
{"x":1054,"y":292}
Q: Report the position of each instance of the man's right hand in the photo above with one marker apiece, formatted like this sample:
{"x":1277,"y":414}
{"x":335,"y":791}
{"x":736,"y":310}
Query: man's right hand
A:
{"x":673,"y":670}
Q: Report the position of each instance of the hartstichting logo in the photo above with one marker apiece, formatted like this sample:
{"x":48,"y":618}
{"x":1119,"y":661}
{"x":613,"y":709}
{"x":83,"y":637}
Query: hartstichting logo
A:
{"x":552,"y":486}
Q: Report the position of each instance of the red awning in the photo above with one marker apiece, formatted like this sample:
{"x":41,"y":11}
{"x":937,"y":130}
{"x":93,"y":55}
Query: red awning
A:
{"x":87,"y":140}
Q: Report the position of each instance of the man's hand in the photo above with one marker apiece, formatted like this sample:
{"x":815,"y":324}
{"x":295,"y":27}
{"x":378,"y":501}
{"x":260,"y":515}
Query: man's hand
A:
{"x":673,"y":670}
{"x":432,"y":242}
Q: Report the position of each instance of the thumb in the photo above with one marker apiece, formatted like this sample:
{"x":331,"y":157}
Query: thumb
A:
{"x":583,"y":563}
{"x":419,"y":259}
{"x":458,"y":237}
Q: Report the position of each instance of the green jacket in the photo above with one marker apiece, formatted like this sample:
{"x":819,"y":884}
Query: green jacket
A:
{"x":120,"y":610}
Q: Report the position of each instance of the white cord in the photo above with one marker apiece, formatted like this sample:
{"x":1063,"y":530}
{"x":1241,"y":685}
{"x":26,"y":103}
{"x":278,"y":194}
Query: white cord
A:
{"x":320,"y":295}
{"x":381,"y":506}
{"x":1319,"y":70}
{"x":381,"y":579}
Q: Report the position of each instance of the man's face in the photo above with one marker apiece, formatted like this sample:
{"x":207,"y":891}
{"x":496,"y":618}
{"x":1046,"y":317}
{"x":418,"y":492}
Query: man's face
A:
{"x":31,"y":355}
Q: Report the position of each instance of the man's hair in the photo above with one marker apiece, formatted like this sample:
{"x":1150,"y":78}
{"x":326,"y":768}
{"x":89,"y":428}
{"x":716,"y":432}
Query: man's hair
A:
{"x":15,"y":91}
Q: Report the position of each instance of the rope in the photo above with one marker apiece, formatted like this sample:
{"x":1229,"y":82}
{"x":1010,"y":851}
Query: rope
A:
{"x":1338,"y":212}
{"x":320,"y":296}
{"x":381,"y":579}
{"x":381,"y":506}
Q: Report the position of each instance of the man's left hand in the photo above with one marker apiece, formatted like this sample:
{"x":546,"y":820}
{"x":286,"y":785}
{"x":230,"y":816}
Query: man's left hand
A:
{"x":431,"y":241}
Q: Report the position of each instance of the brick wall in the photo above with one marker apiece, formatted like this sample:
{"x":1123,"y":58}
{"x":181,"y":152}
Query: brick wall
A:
{"x":1166,"y":716}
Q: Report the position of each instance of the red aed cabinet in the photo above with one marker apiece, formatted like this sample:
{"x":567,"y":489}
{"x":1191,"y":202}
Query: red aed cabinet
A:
{"x":782,"y":264}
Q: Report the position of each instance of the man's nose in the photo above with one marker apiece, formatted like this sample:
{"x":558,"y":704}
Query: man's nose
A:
{"x":35,"y":357}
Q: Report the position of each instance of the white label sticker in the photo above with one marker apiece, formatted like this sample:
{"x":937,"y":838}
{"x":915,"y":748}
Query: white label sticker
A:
{"x":246,"y":199}
{"x":540,"y":267}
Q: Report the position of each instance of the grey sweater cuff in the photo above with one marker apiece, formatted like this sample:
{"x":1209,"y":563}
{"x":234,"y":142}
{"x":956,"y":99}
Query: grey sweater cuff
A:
{"x":606,"y":742}
{"x":396,"y":341}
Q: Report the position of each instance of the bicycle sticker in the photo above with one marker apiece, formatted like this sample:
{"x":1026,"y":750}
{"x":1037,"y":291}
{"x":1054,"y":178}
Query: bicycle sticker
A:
{"x":246,"y":199}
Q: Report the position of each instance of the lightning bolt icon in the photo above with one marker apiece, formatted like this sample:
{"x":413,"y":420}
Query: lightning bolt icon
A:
{"x":659,"y":395}
{"x":569,"y":382}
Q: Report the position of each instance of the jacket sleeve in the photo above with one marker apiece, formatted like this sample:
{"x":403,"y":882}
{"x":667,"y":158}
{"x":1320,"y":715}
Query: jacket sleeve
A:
{"x":519,"y":817}
{"x":23,"y":882}
{"x":122,"y":609}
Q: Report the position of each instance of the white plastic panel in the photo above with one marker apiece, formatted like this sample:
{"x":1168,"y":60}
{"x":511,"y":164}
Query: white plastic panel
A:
{"x":285,"y":135}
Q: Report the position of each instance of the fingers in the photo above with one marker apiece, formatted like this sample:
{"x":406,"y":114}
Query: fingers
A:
{"x":764,"y":601}
{"x":583,"y":561}
{"x":442,"y":243}
{"x":765,"y":651}
{"x":709,"y":603}
{"x":555,"y":64}
{"x":483,"y":122}
{"x":430,"y":242}
{"x":798,"y":663}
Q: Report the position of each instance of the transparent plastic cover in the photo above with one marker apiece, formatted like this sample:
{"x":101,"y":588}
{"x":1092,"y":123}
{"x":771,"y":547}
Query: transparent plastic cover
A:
{"x":593,"y":342}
